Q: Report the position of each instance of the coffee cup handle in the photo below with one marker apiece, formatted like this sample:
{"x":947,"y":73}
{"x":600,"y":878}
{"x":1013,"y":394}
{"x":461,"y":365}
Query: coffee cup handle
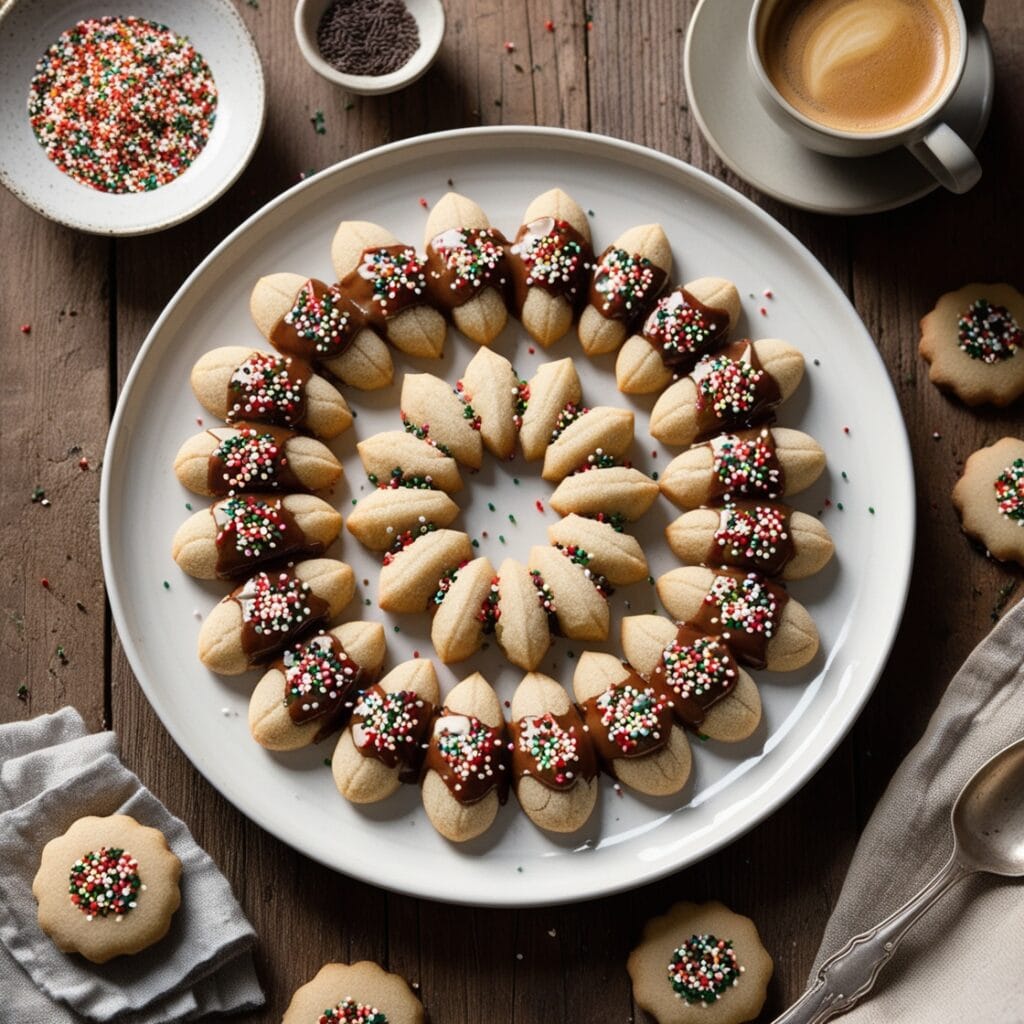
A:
{"x":947,"y":158}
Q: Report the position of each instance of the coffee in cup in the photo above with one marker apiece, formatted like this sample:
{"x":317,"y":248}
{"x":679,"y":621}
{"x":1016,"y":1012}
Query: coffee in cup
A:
{"x":861,"y":65}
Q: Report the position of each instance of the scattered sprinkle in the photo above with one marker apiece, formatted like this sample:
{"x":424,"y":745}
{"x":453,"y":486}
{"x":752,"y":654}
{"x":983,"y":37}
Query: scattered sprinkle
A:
{"x":490,"y":506}
{"x":817,"y":362}
{"x":44,"y":583}
{"x":549,"y":25}
{"x":38,"y":495}
{"x":167,"y":585}
{"x":423,"y":202}
{"x":1002,"y":597}
{"x":871,"y":509}
{"x":317,"y":120}
{"x":23,"y":692}
{"x":936,"y":436}
{"x":80,"y":606}
{"x":25,"y":328}
{"x":83,"y":463}
{"x":62,"y":656}
{"x":512,"y":519}
{"x":510,"y":47}
{"x":767,"y":293}
{"x":763,"y":311}
{"x":539,"y":505}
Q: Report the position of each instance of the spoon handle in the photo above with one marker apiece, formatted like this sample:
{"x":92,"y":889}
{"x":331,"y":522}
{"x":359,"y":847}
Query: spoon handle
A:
{"x":850,"y":974}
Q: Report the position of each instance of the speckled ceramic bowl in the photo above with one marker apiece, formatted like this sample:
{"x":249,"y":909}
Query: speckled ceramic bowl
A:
{"x":429,"y":15}
{"x":29,"y":27}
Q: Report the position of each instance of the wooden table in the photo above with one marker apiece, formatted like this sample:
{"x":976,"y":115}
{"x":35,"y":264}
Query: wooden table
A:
{"x":90,"y":302}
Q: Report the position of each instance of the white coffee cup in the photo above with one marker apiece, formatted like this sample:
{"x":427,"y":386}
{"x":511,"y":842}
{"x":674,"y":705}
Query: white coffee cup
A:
{"x":939,"y":149}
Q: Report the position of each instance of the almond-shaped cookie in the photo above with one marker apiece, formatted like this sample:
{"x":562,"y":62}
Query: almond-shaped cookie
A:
{"x":717,"y":968}
{"x":554,"y":387}
{"x":580,"y":595}
{"x":384,"y":743}
{"x":711,"y":693}
{"x":240,"y":384}
{"x":631,"y":726}
{"x":989,"y":499}
{"x":107,"y":887}
{"x":398,"y":455}
{"x":492,"y":388}
{"x":433,"y":410}
{"x":303,"y":317}
{"x":554,"y":767}
{"x":466,"y":610}
{"x":605,"y":432}
{"x":270,"y":611}
{"x":764,"y":462}
{"x":245,"y":532}
{"x":628,"y":277}
{"x":763,"y":626}
{"x":387,"y":282}
{"x":226,"y":460}
{"x":467,"y":270}
{"x":738,"y":386}
{"x":466,"y":773}
{"x":550,"y":261}
{"x":414,"y":564}
{"x":769,"y":538}
{"x":615,"y":555}
{"x":526,"y":607}
{"x":362,"y":992}
{"x":684,"y":325}
{"x":618,"y":493}
{"x":308,"y":693}
{"x":388,"y":512}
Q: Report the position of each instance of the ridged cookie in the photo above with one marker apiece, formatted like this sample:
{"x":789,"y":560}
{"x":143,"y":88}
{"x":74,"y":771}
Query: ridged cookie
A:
{"x":685,"y":324}
{"x":524,"y":608}
{"x":239,"y":384}
{"x":467,"y":270}
{"x":604,"y":431}
{"x":554,"y":386}
{"x":466,"y":773}
{"x":223,"y":460}
{"x":695,"y":668}
{"x":736,"y":387}
{"x":554,"y":768}
{"x":989,"y":498}
{"x":380,"y":518}
{"x":627,"y":280}
{"x":618,"y":492}
{"x":413,"y":566}
{"x":766,"y":462}
{"x":498,"y":397}
{"x":398,"y":454}
{"x":309,"y":692}
{"x":581,"y":606}
{"x":466,"y":610}
{"x":259,"y":619}
{"x":351,"y":992}
{"x":433,"y":410}
{"x":762,"y":625}
{"x":238,"y":535}
{"x":304,"y":317}
{"x":383,"y":745}
{"x":617,"y":703}
{"x":616,"y":556}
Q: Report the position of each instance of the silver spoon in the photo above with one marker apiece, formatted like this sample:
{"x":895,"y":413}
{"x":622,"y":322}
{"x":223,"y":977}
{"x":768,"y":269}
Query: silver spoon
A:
{"x":988,"y":835}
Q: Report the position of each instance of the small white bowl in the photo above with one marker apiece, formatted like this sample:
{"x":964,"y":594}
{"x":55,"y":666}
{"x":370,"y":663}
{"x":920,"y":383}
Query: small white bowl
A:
{"x":429,"y":15}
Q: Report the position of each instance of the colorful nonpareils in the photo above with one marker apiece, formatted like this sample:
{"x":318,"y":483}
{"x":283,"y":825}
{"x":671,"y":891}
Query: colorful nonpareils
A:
{"x":988,"y":332}
{"x":703,"y":968}
{"x":105,"y":882}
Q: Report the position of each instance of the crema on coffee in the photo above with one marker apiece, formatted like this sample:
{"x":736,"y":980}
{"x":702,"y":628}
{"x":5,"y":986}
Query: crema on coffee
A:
{"x":861,"y":65}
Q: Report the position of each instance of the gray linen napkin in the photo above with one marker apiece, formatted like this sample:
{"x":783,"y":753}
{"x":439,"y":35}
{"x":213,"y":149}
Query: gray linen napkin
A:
{"x":963,"y":960}
{"x":52,"y":772}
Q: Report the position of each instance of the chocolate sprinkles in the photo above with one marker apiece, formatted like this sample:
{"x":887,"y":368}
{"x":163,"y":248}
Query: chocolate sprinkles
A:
{"x":367,"y":37}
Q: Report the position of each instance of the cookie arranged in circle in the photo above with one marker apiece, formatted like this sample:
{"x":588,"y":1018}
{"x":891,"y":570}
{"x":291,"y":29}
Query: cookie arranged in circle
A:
{"x":359,"y":993}
{"x":107,"y":887}
{"x":974,"y":341}
{"x":700,"y":962}
{"x":989,"y":498}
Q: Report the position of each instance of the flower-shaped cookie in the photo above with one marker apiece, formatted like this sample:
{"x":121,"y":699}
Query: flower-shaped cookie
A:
{"x":990,"y":498}
{"x":360,"y":993}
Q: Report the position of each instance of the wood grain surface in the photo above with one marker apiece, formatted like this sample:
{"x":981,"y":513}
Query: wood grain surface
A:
{"x":89,"y":303}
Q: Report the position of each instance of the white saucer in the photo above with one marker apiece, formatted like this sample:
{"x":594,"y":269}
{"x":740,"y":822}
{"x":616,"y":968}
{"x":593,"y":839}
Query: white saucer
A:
{"x":760,"y":152}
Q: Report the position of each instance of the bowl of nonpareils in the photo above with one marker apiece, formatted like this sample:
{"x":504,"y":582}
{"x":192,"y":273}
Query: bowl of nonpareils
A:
{"x":369,"y":47}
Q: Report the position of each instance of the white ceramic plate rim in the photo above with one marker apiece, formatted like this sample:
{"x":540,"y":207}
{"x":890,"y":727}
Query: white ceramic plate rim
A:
{"x":789,"y":775}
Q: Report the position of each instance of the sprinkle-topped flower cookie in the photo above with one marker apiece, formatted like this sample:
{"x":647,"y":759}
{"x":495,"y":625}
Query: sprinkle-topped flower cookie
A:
{"x":359,"y":993}
{"x":990,"y":499}
{"x":974,"y":340}
{"x":107,"y":887}
{"x":700,"y":962}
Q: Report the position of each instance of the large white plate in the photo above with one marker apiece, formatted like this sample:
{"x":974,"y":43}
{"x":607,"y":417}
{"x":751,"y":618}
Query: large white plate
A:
{"x":847,"y":403}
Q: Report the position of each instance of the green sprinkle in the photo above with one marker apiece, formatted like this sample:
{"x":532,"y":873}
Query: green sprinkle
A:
{"x":817,"y":362}
{"x":350,"y":104}
{"x":318,"y":122}
{"x":650,"y":579}
{"x":367,"y":602}
{"x":515,"y":480}
{"x":570,"y":654}
{"x":590,"y":213}
{"x":520,"y":870}
{"x":62,"y":654}
{"x":398,"y":629}
{"x":871,"y":509}
{"x":255,"y":4}
{"x":476,"y":543}
{"x":839,"y":505}
{"x":844,"y":476}
{"x":501,"y":537}
{"x":188,"y":505}
{"x":355,"y":501}
{"x":37,"y":495}
{"x":167,"y":585}
{"x":23,"y":692}
{"x":327,"y":762}
{"x":512,"y":519}
{"x":490,"y":506}
{"x":654,"y":476}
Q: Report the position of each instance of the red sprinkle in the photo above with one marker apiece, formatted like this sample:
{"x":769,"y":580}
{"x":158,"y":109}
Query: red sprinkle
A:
{"x":415,"y":654}
{"x":423,"y":202}
{"x":25,"y":328}
{"x":510,"y":47}
{"x":846,"y":430}
{"x":540,"y":505}
{"x":549,"y":25}
{"x":44,"y":583}
{"x":763,"y":311}
{"x":768,"y":293}
{"x":531,"y":350}
{"x":199,"y":421}
{"x":828,"y":503}
{"x":83,"y":463}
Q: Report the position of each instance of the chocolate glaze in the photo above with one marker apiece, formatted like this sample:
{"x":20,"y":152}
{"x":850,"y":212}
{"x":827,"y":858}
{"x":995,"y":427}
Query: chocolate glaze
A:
{"x":715,"y":675}
{"x":323,"y":323}
{"x":448,"y":285}
{"x":657,"y":735}
{"x":613,"y":302}
{"x":366,"y":288}
{"x":288,"y":538}
{"x":751,"y":400}
{"x":681,"y":329}
{"x":263,"y":638}
{"x":333,"y":706}
{"x":746,"y":625}
{"x":766,"y":480}
{"x":249,"y":401}
{"x":402,"y":746}
{"x":564,"y":771}
{"x":477,"y":781}
{"x":275,"y":471}
{"x":535,"y":259}
{"x":743,"y":551}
